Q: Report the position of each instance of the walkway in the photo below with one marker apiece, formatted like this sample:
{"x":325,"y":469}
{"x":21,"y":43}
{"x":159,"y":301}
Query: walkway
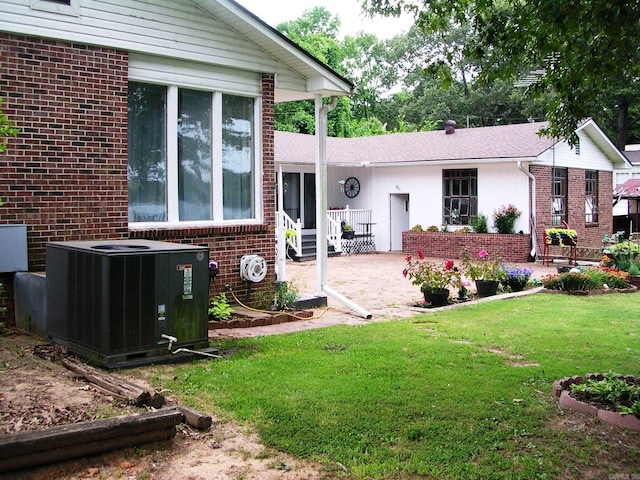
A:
{"x":373,"y":281}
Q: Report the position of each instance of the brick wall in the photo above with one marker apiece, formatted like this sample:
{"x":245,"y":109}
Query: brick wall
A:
{"x":589,"y":235}
{"x":447,"y":245}
{"x":65,"y":176}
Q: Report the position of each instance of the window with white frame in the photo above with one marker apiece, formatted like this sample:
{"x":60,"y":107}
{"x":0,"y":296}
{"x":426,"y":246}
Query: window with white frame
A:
{"x":192,"y":156}
{"x":591,"y":196}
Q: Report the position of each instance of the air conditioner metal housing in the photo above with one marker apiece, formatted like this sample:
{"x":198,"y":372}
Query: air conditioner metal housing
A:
{"x":111,"y":300}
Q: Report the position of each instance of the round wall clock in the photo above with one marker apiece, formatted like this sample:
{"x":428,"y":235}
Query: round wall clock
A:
{"x":351,"y":187}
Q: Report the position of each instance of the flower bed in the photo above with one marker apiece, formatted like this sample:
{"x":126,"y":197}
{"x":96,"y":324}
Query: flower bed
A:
{"x":516,"y":247}
{"x":562,"y":388}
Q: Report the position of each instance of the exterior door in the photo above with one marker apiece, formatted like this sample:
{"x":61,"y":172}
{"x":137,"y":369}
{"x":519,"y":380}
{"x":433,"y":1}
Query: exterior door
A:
{"x":309,"y":219}
{"x":299,"y":197}
{"x":399,"y":219}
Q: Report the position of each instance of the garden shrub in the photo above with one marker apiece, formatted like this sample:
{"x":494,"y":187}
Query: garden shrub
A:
{"x":479,"y":223}
{"x":417,"y":228}
{"x":433,"y":228}
{"x":592,"y":279}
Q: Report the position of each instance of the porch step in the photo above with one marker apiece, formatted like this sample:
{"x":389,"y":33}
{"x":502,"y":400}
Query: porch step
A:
{"x":309,"y":250}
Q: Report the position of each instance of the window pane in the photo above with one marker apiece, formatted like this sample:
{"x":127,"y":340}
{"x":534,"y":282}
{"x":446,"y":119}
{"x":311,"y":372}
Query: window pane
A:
{"x":147,"y":153}
{"x":194,"y":155}
{"x":460,"y":195}
{"x":237,"y":157}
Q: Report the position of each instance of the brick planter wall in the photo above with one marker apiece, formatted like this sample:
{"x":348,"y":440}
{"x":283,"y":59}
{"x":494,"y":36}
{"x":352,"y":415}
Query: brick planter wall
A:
{"x":65,"y":175}
{"x":513,"y":248}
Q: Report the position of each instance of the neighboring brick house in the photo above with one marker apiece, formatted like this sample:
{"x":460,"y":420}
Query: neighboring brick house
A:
{"x":147,"y":120}
{"x":435,"y":179}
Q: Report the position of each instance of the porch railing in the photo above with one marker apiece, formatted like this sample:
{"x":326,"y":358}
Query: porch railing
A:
{"x":334,"y":234}
{"x":292,"y":233}
{"x":357,"y":218}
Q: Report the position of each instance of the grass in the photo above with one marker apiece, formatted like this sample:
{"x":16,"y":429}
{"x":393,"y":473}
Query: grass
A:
{"x":464,"y":393}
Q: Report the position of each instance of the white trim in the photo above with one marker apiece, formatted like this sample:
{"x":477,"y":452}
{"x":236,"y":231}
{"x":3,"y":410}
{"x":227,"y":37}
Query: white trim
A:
{"x":73,"y":9}
{"x":173,"y":215}
{"x":216,"y":160}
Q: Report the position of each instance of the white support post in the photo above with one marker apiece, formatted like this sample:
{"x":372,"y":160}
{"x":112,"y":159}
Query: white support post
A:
{"x":280,"y":232}
{"x":322,"y":257}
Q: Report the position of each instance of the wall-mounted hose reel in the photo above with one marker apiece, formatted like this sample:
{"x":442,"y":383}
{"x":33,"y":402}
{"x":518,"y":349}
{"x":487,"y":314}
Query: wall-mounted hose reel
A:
{"x":253,"y":268}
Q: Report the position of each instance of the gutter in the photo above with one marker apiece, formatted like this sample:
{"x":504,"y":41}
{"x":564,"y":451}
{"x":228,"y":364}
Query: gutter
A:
{"x":532,"y":216}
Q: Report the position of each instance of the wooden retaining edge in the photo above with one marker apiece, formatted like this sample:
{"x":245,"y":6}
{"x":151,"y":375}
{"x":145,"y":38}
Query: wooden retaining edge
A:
{"x":135,"y":394}
{"x":64,"y":442}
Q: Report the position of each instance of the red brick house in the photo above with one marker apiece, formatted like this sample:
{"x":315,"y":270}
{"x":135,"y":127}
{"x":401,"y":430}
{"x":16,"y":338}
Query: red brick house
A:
{"x":149,"y":120}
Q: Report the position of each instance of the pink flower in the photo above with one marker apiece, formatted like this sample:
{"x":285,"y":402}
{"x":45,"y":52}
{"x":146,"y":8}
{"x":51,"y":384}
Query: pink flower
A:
{"x":404,"y":272}
{"x":449,"y":265}
{"x":465,"y":283}
{"x":408,"y":258}
{"x":483,"y":253}
{"x":420,"y":254}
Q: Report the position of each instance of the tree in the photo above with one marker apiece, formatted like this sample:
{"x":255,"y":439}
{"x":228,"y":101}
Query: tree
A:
{"x":577,"y":50}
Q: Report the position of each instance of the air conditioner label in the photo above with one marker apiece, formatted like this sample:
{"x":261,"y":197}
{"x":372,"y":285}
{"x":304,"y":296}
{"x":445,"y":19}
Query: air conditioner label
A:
{"x":187,"y":280}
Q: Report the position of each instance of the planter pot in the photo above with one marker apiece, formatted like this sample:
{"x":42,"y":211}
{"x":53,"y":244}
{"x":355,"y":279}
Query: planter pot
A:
{"x":516,"y":286}
{"x":348,"y":235}
{"x":486,"y":288}
{"x":564,"y":241}
{"x":437,"y":299}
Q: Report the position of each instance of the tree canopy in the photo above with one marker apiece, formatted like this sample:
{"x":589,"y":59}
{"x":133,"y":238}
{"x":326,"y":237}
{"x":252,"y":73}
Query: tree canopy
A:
{"x":582,"y":55}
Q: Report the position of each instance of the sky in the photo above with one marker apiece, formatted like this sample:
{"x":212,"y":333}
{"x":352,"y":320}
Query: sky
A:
{"x":277,"y":11}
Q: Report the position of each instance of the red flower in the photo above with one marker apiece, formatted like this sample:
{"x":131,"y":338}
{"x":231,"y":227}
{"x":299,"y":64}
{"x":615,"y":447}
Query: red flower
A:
{"x":420,"y":254}
{"x":449,"y":265}
{"x":408,"y":258}
{"x":404,"y":272}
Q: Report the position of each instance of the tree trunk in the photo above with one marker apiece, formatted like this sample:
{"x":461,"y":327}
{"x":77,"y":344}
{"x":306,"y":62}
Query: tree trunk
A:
{"x":623,"y":116}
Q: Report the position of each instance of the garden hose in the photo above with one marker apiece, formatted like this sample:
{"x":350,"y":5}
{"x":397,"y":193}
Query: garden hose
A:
{"x":268,"y":311}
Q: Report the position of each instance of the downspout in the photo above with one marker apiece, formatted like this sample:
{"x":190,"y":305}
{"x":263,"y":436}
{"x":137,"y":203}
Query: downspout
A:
{"x":280,"y":232}
{"x":322,"y":256}
{"x":532,"y":216}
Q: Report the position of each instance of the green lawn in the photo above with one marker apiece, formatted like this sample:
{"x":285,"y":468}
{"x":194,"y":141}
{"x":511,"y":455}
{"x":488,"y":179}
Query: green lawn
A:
{"x":464,"y":393}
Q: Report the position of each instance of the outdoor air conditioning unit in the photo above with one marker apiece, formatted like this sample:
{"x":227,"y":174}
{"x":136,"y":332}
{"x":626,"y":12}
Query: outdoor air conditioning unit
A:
{"x":113,"y":300}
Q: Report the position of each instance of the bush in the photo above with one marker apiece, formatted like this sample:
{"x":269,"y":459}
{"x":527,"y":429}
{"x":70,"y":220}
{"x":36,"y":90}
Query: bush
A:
{"x":433,"y":228}
{"x":479,"y":223}
{"x":417,"y":228}
{"x":505,"y":217}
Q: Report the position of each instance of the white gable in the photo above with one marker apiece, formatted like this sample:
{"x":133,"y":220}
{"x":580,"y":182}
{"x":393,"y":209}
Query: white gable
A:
{"x":210,"y":32}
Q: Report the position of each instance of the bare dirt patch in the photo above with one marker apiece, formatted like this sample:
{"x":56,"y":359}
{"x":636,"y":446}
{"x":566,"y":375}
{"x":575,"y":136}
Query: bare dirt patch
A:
{"x":37,"y":392}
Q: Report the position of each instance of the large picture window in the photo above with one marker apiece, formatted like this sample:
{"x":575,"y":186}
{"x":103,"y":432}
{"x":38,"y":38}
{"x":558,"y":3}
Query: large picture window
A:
{"x":560,"y":198}
{"x":591,"y":196}
{"x":460,"y":189}
{"x":192,"y":156}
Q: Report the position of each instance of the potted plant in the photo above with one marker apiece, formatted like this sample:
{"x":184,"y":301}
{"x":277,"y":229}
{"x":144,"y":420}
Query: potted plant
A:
{"x":516,"y":278}
{"x":347,"y":231}
{"x":484,"y":269}
{"x":565,"y":237}
{"x":433,"y":279}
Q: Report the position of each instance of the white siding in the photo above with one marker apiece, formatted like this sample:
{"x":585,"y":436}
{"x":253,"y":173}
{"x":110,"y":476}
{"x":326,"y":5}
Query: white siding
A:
{"x":187,"y":74}
{"x":591,"y":157}
{"x":176,"y":29}
{"x":498,"y":184}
